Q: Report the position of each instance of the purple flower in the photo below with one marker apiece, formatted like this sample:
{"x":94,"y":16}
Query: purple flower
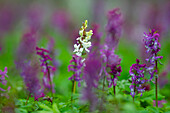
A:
{"x":3,"y":81}
{"x":30,"y":76}
{"x":44,"y":55}
{"x":115,"y":71}
{"x":113,"y":28}
{"x":76,"y":66}
{"x":29,"y":71}
{"x":152,"y":42}
{"x":153,"y":46}
{"x":47,"y":69}
{"x":112,"y":62}
{"x":25,"y":49}
{"x":136,"y":72}
{"x":91,"y":76}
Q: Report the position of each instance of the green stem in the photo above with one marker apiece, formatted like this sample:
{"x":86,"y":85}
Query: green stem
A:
{"x":73,"y":91}
{"x":114,"y":87}
{"x":28,"y":98}
{"x":156,"y":82}
{"x":49,"y":77}
{"x":104,"y":82}
{"x":156,"y":91}
{"x":114,"y":90}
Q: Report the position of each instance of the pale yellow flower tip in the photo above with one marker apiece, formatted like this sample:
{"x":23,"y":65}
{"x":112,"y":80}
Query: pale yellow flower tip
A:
{"x":85,"y":23}
{"x":90,"y":33}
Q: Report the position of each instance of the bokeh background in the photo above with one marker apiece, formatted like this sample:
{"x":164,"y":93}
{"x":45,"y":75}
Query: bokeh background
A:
{"x":60,"y":20}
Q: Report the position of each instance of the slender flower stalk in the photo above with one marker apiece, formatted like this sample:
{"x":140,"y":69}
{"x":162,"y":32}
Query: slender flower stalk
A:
{"x":80,"y":50}
{"x":46,"y":68}
{"x":103,"y":82}
{"x":156,"y":82}
{"x":153,"y":46}
{"x":136,"y":72}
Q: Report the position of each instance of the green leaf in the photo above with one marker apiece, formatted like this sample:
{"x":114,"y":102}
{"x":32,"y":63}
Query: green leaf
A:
{"x":55,"y":108}
{"x":167,"y":112}
{"x":43,"y":106}
{"x":61,"y":105}
{"x":43,"y":111}
{"x":144,"y":111}
{"x":153,"y":109}
{"x":20,"y":110}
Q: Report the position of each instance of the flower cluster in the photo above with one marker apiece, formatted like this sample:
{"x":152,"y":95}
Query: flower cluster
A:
{"x":113,"y":33}
{"x":46,"y":68}
{"x":76,"y":66}
{"x":3,"y":80}
{"x":83,"y":42}
{"x":136,"y":72}
{"x":44,"y":57}
{"x":115,"y":71}
{"x":26,"y":49}
{"x":30,"y":76}
{"x":152,"y":45}
{"x":113,"y":28}
{"x":112,"y":62}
